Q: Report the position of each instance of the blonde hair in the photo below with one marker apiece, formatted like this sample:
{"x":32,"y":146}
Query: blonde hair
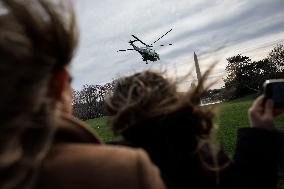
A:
{"x":37,"y":38}
{"x":146,"y":95}
{"x":146,"y":109}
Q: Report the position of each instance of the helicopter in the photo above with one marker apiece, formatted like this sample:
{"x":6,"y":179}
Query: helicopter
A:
{"x":147,"y":52}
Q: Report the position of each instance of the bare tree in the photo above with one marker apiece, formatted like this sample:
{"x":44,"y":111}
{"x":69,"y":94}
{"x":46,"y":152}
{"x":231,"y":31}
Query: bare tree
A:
{"x":89,"y":102}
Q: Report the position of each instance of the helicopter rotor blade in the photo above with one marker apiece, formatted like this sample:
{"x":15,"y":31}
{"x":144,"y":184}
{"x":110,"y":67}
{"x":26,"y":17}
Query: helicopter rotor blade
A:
{"x":125,"y":50}
{"x":165,"y":45}
{"x":163,"y":35}
{"x":139,"y":40}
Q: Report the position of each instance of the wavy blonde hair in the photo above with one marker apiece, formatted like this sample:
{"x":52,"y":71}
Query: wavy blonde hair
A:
{"x":146,"y":109}
{"x":37,"y":38}
{"x":148,"y":95}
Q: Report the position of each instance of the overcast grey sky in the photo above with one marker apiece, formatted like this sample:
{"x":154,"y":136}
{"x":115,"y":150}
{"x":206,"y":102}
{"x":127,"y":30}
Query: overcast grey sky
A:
{"x":214,"y":29}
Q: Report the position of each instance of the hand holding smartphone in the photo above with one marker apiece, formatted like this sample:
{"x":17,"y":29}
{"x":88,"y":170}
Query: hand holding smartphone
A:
{"x":261,"y":114}
{"x":274,"y":90}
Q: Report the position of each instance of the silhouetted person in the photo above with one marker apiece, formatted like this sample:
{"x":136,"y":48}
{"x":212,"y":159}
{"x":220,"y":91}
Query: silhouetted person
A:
{"x":259,"y":149}
{"x":149,"y":113}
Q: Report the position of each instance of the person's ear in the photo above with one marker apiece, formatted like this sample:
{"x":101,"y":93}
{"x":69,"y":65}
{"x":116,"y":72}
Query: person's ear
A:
{"x":58,"y":83}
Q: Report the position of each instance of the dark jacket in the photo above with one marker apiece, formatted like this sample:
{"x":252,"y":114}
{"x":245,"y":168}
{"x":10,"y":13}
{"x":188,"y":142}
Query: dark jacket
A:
{"x":256,"y":158}
{"x":188,"y":169}
{"x":173,"y":146}
{"x":258,"y":155}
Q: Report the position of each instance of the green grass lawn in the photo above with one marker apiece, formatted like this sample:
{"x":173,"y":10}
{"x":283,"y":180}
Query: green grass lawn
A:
{"x":102,"y":128}
{"x":234,"y":115}
{"x":230,"y":117}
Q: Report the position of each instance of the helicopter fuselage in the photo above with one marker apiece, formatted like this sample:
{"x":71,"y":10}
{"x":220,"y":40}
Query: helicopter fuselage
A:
{"x":147,"y":53}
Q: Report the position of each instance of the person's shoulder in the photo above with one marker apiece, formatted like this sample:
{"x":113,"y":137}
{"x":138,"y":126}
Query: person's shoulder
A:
{"x":85,"y":157}
{"x":101,"y":165}
{"x":91,"y":150}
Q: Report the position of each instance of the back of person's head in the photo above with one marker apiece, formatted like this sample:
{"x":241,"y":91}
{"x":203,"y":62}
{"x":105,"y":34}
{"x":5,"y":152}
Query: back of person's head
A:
{"x":37,"y":40}
{"x":147,"y":108}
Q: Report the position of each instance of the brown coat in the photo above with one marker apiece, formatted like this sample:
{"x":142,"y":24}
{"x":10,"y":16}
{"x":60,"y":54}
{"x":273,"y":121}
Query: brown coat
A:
{"x":78,"y":161}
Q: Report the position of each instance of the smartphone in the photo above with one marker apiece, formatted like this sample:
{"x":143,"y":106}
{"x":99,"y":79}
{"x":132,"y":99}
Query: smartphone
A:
{"x":274,"y":90}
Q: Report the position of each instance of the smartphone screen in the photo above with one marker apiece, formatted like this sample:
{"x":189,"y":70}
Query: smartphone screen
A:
{"x":275,"y":90}
{"x":278,"y":93}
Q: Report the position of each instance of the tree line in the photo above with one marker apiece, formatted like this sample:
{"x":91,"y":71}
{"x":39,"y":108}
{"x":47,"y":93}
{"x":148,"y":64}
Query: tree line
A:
{"x":244,"y":76}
